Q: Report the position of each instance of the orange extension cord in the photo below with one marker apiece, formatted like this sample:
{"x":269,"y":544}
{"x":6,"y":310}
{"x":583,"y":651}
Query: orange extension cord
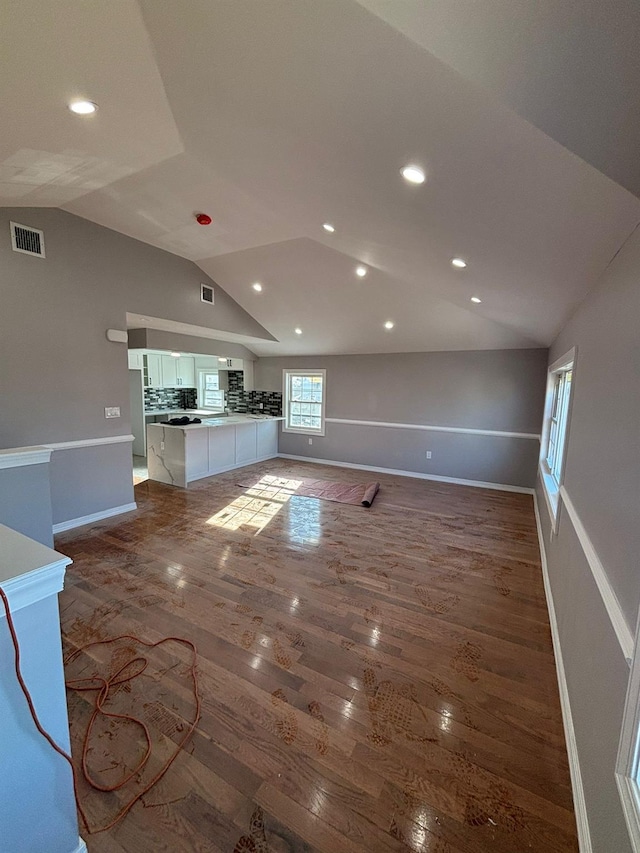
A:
{"x":103,"y":687}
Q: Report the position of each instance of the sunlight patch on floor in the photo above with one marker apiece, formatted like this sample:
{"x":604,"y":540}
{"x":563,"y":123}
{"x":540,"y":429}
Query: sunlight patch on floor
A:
{"x":257,"y":506}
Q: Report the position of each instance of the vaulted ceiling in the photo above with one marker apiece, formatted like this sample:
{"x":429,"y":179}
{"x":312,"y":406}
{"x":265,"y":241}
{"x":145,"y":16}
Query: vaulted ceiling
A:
{"x":276,"y":116}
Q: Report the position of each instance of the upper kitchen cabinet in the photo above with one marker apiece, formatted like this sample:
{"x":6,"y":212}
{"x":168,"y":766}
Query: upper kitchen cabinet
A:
{"x":162,"y":370}
{"x":136,"y":359}
{"x":169,"y":371}
{"x":153,"y":370}
{"x":186,"y":371}
{"x":230,"y":364}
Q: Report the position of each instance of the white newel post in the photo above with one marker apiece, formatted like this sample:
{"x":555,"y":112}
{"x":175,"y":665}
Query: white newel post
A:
{"x":37,"y":805}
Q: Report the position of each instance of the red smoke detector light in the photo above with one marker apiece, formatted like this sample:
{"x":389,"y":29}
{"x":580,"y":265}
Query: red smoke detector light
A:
{"x":203,"y":219}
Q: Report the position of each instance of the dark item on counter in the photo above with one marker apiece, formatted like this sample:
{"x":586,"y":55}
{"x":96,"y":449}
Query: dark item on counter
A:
{"x":183,"y":421}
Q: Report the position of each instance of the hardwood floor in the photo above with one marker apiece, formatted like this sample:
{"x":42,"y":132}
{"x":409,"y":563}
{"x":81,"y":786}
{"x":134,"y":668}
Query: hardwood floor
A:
{"x":371,"y":680}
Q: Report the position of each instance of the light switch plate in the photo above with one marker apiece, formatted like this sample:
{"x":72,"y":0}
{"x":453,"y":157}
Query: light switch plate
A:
{"x":112,"y":412}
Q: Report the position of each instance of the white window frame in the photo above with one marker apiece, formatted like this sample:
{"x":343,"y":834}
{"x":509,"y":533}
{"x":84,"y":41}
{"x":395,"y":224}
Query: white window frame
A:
{"x":553,"y":477}
{"x":628,"y":763}
{"x":287,"y":373}
{"x":201,"y":404}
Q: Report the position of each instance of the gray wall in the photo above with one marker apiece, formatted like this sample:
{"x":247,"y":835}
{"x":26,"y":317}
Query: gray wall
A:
{"x":596,"y":673}
{"x":602,"y":478}
{"x":489,"y":390}
{"x":25,"y":501}
{"x":602,"y":472}
{"x":58,"y":369}
{"x":157,"y":339}
{"x":74,"y":491}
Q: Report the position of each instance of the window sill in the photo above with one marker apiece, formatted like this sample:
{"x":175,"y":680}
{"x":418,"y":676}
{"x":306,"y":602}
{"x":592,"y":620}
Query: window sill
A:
{"x":302,"y":431}
{"x":551,"y":491}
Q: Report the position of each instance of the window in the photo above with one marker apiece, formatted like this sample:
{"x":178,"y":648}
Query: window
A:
{"x":211,"y":397}
{"x":555,"y":429}
{"x":558,"y":422}
{"x":304,"y":398}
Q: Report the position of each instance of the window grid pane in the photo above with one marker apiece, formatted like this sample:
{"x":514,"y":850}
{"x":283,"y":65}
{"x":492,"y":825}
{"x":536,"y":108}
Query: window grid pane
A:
{"x":563,"y":406}
{"x":303,"y":406}
{"x":558,"y":423}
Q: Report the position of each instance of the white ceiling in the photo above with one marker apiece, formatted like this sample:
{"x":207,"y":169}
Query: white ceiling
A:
{"x":274,"y":117}
{"x":570,"y":68}
{"x":53,"y":53}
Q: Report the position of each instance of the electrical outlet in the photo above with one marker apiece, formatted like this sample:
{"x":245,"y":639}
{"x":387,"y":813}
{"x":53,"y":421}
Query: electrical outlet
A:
{"x":428,"y":454}
{"x":112,"y":412}
{"x":310,"y":441}
{"x":162,"y":445}
{"x":261,"y":406}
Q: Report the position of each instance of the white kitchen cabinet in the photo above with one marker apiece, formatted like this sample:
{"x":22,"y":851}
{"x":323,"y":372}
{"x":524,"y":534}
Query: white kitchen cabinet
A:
{"x":230,"y":364}
{"x":222,"y":448}
{"x":136,"y":361}
{"x":246,"y":444}
{"x":186,"y":371}
{"x":169,"y":371}
{"x":266,"y":439}
{"x":172,"y":372}
{"x":196,"y":454}
{"x":152,"y":370}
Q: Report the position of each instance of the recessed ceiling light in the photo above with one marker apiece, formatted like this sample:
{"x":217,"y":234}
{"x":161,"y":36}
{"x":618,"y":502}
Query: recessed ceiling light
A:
{"x":361,"y":271}
{"x":458,"y":262}
{"x":175,"y":354}
{"x":389,"y":324}
{"x":83,"y":108}
{"x":476,"y":300}
{"x":328,"y":227}
{"x":413,"y":174}
{"x":257,"y":286}
{"x":298,"y":331}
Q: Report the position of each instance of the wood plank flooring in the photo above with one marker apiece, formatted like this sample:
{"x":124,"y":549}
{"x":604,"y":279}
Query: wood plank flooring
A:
{"x":371,"y":680}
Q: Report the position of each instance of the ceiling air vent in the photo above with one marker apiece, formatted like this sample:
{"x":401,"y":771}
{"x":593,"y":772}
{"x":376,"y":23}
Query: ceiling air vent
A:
{"x":27,"y":240}
{"x":206,"y":293}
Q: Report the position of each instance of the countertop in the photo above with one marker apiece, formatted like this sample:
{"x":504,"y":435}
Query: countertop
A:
{"x":193,"y":413}
{"x":212,"y":421}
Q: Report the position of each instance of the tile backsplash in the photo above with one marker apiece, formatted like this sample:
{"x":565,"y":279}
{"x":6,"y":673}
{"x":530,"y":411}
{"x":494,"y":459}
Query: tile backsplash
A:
{"x":170,"y":398}
{"x":249,"y":402}
{"x":241,"y":401}
{"x":236,"y":380}
{"x":236,"y":399}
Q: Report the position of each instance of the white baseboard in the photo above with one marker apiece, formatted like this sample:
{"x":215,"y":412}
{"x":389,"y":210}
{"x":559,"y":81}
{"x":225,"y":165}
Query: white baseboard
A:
{"x":579,"y":804}
{"x":415,"y":474}
{"x":81,"y":848}
{"x":96,"y":516}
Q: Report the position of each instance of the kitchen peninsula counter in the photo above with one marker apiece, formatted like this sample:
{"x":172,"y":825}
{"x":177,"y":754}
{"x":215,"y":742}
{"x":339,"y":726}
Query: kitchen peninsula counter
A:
{"x":178,"y":455}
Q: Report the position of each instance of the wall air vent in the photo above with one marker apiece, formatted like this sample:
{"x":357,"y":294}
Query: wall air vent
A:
{"x":27,"y":240}
{"x":206,"y":294}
